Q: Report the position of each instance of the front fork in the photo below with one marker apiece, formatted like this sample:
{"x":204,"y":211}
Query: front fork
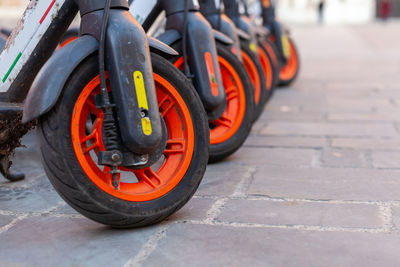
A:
{"x":212,"y":11}
{"x":225,"y":25}
{"x":232,"y":10}
{"x":270,"y":22}
{"x":127,"y":59}
{"x":203,"y":60}
{"x":202,"y":53}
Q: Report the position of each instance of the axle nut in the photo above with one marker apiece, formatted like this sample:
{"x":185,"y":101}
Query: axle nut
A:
{"x":115,"y":157}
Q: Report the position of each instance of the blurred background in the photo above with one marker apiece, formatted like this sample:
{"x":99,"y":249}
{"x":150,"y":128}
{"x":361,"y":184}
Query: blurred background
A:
{"x":290,"y":11}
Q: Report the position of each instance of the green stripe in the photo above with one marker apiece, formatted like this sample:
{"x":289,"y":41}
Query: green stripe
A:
{"x":12,"y":67}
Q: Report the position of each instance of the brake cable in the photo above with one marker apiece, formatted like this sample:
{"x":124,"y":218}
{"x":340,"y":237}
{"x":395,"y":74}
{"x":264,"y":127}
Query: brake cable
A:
{"x":220,"y":15}
{"x":109,"y":124}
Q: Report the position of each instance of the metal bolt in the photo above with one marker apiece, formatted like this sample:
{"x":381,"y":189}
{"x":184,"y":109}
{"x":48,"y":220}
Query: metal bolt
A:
{"x":115,"y":157}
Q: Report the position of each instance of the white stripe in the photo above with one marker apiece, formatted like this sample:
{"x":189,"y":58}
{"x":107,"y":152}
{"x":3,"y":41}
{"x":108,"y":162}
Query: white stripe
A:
{"x":31,"y":31}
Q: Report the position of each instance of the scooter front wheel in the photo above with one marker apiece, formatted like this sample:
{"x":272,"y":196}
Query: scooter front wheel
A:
{"x":270,"y":67}
{"x":70,"y":137}
{"x":290,"y":71}
{"x":257,"y":76}
{"x":228,"y":132}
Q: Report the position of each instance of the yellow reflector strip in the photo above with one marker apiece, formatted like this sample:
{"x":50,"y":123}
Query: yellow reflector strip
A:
{"x":142,"y":101}
{"x":140,"y":90}
{"x":286,"y":46}
{"x":146,"y":126}
{"x":253,"y":47}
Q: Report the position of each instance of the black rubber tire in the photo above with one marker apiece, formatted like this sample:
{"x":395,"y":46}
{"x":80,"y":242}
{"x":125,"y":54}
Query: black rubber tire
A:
{"x":275,"y":69}
{"x":291,"y":80}
{"x":221,"y":151}
{"x":259,"y":107}
{"x":71,"y":182}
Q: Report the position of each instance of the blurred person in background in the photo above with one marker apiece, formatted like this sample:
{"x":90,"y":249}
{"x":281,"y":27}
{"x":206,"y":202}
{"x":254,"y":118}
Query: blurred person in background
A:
{"x":321,"y":7}
{"x":385,"y":9}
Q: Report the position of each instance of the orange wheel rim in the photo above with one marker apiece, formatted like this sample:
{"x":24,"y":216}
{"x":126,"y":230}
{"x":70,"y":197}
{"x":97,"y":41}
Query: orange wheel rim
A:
{"x":67,"y":41}
{"x":267,"y":67}
{"x":290,"y":69}
{"x":253,"y":74}
{"x":228,"y":124}
{"x":135,"y":185}
{"x":271,"y":52}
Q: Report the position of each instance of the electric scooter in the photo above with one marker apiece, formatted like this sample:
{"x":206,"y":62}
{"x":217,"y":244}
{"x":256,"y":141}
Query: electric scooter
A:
{"x":257,"y":63}
{"x":236,"y":11}
{"x":123,"y":134}
{"x":205,"y":57}
{"x":285,"y":49}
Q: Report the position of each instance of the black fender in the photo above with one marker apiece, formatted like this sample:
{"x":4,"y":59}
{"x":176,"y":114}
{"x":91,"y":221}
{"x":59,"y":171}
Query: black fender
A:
{"x":160,"y":47}
{"x":261,"y":31}
{"x":219,"y":36}
{"x":51,"y":79}
{"x":171,"y":36}
{"x":243,"y":35}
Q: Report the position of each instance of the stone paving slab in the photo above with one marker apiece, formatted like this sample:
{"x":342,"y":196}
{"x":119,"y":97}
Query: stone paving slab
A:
{"x":330,"y":129}
{"x":284,"y":141}
{"x":202,"y":245}
{"x":5,"y":220}
{"x":326,"y":183}
{"x":61,"y":241}
{"x":274,"y":156}
{"x":343,"y":159}
{"x":222,"y":179}
{"x":294,"y":212}
{"x":386,"y":159}
{"x":366,"y":143}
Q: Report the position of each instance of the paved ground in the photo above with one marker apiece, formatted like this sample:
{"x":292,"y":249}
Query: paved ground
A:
{"x":317,"y":184}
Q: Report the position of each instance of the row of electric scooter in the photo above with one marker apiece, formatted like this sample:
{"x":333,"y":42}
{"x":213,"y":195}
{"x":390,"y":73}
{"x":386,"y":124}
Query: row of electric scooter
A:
{"x":135,"y":103}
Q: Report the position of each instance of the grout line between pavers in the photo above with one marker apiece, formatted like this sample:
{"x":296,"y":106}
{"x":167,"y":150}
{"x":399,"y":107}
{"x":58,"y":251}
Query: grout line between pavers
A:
{"x":314,"y":228}
{"x":215,"y":210}
{"x":48,"y":212}
{"x":304,"y":200}
{"x":243,"y":185}
{"x":148,"y":248}
{"x":240,"y":191}
{"x":386,"y":214}
{"x":8,"y":226}
{"x":316,"y":160}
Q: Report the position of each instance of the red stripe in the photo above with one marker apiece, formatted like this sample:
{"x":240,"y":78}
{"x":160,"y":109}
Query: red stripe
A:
{"x":47,"y":11}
